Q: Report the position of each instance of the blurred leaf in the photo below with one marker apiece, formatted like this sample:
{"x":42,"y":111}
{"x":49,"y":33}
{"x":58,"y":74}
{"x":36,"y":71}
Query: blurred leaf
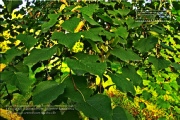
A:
{"x":146,"y":44}
{"x":90,"y":20}
{"x":130,"y":72}
{"x":18,"y":79}
{"x":132,"y":24}
{"x":159,"y":63}
{"x":121,"y":31}
{"x":176,"y":66}
{"x":28,"y":40}
{"x":47,"y":25}
{"x":123,"y":84}
{"x":71,"y":24}
{"x":146,"y":95}
{"x":12,"y":53}
{"x":11,"y":4}
{"x":123,"y":12}
{"x":89,"y":9}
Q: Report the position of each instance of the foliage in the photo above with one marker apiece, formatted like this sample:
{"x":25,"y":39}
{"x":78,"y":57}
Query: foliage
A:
{"x":93,"y":56}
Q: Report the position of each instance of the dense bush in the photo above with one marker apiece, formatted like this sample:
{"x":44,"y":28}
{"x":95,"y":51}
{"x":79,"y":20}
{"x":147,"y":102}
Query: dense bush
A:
{"x":92,"y":60}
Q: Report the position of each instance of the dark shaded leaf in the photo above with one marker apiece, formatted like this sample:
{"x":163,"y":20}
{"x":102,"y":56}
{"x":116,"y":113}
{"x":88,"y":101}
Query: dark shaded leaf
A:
{"x":159,"y":63}
{"x":125,"y":55}
{"x":47,"y":91}
{"x":28,"y":40}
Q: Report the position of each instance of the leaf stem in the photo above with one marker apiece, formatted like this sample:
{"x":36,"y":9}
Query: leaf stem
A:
{"x":75,"y":87}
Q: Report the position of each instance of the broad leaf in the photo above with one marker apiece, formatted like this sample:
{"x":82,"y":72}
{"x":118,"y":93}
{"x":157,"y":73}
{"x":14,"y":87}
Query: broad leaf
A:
{"x":47,"y":91}
{"x":11,"y":54}
{"x":125,"y":55}
{"x":28,"y":40}
{"x":89,"y":9}
{"x":98,"y":106}
{"x":176,"y":66}
{"x":18,"y":79}
{"x":90,"y":66}
{"x":121,"y":31}
{"x":122,"y":83}
{"x":68,"y":39}
{"x":120,"y":114}
{"x":159,"y":63}
{"x":47,"y":25}
{"x":93,"y":34}
{"x":71,"y":24}
{"x":146,"y":44}
{"x":37,"y":55}
{"x":77,"y":82}
{"x":11,"y":4}
{"x":130,"y":72}
{"x":90,"y":20}
{"x":105,"y":18}
{"x":123,"y":12}
{"x":132,"y":24}
{"x":86,"y":57}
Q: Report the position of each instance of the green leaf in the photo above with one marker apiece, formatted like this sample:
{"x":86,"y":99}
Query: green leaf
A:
{"x":132,"y":24}
{"x":18,"y":79}
{"x":90,"y":66}
{"x":12,"y":53}
{"x":108,"y":3}
{"x":163,"y":104}
{"x":130,"y":72}
{"x":146,"y":95}
{"x":90,"y":20}
{"x":121,"y":31}
{"x":108,"y":35}
{"x":158,"y":29}
{"x":93,"y":34}
{"x":68,"y":39}
{"x":122,"y":84}
{"x":86,"y":57}
{"x":80,"y":83}
{"x":146,"y":44}
{"x":47,"y":91}
{"x":89,"y":9}
{"x":47,"y":25}
{"x":37,"y":55}
{"x":113,"y":12}
{"x":174,"y":84}
{"x":159,"y":63}
{"x":123,"y":12}
{"x":176,"y":66}
{"x":11,"y":4}
{"x":97,"y":106}
{"x":167,"y":47}
{"x":71,"y":24}
{"x":22,"y":68}
{"x":120,"y":114}
{"x":28,"y":40}
{"x":125,"y":55}
{"x":105,"y":18}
